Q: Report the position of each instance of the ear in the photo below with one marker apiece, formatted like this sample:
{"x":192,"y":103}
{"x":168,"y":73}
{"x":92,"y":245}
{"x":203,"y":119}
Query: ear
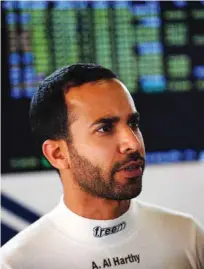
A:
{"x":56,"y":153}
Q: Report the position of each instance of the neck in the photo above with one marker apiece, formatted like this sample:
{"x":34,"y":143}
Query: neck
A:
{"x":88,"y":206}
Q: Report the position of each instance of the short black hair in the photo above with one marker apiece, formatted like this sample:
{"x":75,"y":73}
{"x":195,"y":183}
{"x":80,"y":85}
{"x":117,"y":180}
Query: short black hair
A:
{"x":49,"y":114}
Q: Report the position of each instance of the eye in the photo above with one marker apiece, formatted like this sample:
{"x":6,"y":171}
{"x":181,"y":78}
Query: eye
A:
{"x":134,"y":125}
{"x":107,"y":128}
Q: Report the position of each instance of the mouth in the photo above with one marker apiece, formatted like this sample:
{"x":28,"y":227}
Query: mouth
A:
{"x":132,"y":169}
{"x":132,"y":165}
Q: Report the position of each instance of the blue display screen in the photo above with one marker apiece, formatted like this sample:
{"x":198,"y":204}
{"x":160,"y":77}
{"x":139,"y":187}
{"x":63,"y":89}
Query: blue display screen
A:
{"x":155,"y":47}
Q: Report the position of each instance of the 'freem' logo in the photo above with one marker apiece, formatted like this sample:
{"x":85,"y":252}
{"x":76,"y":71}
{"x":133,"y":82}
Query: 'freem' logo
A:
{"x":100,"y":232}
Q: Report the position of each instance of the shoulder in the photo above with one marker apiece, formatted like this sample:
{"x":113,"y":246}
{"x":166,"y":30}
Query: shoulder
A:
{"x":27,"y":243}
{"x":30,"y":233}
{"x":156,"y":211}
{"x":181,"y":229}
{"x":168,"y":219}
{"x":172,"y":231}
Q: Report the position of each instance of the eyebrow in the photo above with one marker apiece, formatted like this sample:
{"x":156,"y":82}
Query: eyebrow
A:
{"x":114,"y":119}
{"x":134,"y":117}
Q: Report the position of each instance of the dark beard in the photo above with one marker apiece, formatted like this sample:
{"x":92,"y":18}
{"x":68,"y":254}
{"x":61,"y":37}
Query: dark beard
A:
{"x":91,"y":180}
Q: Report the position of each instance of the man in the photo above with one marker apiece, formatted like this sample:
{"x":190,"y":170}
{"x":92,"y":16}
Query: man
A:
{"x":87,"y":124}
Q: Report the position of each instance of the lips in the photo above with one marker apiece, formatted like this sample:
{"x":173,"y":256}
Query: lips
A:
{"x":132,"y":169}
{"x":132,"y":165}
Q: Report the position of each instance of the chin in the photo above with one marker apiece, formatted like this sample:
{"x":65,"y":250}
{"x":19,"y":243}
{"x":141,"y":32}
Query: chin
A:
{"x":129,"y":194}
{"x":132,"y":191}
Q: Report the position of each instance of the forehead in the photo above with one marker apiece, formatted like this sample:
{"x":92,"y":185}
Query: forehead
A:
{"x":96,"y":99}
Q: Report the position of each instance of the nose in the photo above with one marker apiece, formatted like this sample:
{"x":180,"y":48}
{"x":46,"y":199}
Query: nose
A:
{"x":130,"y":141}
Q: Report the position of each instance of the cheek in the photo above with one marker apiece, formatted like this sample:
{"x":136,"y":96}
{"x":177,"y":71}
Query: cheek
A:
{"x":98,"y":151}
{"x":98,"y":154}
{"x":102,"y":154}
{"x":140,"y":137}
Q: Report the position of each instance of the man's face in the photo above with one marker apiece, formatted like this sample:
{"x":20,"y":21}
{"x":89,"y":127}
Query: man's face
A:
{"x":107,"y":150}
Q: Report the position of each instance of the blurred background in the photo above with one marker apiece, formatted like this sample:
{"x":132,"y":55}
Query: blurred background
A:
{"x":157,"y":50}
